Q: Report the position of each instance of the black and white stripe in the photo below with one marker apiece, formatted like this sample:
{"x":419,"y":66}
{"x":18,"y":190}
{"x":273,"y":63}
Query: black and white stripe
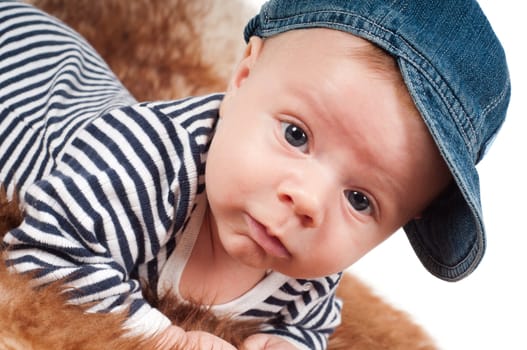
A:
{"x":53,"y":82}
{"x":304,"y":311}
{"x":107,"y":183}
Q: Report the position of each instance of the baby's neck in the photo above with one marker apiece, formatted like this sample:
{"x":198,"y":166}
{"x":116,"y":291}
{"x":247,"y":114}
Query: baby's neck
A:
{"x":211,"y":276}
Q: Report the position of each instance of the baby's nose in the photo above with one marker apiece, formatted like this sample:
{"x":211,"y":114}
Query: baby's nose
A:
{"x":305,"y":202}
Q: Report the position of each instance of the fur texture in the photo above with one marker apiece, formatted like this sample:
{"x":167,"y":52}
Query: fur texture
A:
{"x":40,"y":319}
{"x":167,"y":49}
{"x":369,"y":323}
{"x":161,"y":49}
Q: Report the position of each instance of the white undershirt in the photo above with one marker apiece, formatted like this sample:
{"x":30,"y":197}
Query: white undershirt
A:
{"x":171,"y":273}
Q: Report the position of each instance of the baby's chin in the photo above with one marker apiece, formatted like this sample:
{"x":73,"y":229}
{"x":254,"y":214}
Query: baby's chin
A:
{"x":246,"y":252}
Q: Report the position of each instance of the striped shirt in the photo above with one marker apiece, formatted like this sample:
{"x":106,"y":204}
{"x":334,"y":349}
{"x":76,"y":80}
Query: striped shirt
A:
{"x":113,"y":190}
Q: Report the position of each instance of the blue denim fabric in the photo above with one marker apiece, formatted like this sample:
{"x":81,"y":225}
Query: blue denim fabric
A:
{"x":456,"y":72}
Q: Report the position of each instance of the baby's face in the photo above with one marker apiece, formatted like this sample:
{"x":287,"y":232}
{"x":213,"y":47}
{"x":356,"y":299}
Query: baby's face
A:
{"x":316,"y":158}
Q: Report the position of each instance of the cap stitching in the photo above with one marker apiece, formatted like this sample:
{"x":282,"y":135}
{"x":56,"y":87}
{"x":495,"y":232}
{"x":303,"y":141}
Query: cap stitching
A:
{"x":495,"y":102}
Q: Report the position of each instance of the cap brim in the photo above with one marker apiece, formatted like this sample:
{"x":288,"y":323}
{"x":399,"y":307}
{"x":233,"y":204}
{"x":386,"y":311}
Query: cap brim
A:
{"x":449,"y":237}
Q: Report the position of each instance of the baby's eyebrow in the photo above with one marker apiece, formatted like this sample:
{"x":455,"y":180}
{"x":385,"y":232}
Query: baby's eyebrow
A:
{"x":309,"y":103}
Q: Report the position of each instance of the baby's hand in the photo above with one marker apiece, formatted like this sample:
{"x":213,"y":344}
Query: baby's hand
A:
{"x":207,"y":341}
{"x":266,"y":342}
{"x":175,"y":338}
{"x":170,"y":338}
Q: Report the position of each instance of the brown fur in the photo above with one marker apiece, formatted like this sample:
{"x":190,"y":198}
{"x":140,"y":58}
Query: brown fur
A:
{"x":194,"y":317}
{"x":10,"y":213}
{"x":160,"y":49}
{"x":40,"y":319}
{"x":370,"y":323}
{"x":167,"y":49}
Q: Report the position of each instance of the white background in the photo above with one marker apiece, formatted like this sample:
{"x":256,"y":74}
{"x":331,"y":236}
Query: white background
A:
{"x":488,"y":310}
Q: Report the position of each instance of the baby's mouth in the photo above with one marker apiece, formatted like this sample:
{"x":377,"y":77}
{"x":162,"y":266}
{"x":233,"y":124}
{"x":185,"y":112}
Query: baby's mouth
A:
{"x":269,"y":243}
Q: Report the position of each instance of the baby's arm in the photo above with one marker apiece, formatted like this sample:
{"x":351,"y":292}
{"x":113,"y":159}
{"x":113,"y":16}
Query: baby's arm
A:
{"x":176,"y":338}
{"x":108,"y":206}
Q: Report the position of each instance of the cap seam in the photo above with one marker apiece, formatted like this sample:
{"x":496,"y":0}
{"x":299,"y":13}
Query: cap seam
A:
{"x":451,"y":165}
{"x":495,"y":102}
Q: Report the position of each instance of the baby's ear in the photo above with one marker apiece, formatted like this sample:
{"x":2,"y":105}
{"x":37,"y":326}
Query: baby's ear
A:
{"x":246,"y":64}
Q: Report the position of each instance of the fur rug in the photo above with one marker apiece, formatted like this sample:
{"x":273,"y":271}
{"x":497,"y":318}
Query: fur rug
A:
{"x":160,"y":50}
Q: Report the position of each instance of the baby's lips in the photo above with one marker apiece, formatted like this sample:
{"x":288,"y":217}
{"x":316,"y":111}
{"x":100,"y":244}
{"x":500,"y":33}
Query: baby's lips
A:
{"x":266,"y":240}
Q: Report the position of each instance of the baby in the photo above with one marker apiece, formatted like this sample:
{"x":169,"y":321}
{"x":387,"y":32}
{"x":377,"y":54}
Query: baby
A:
{"x":342,"y":122}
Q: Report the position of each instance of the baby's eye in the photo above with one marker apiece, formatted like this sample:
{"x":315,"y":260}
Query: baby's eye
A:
{"x":295,"y":136}
{"x":359,"y":201}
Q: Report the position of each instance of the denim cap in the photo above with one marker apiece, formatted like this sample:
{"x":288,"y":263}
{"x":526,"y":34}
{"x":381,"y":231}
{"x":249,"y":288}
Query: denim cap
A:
{"x":455,"y":70}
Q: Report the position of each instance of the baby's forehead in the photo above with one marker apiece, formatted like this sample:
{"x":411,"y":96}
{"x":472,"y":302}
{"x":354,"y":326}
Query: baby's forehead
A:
{"x":322,"y":46}
{"x":350,"y":46}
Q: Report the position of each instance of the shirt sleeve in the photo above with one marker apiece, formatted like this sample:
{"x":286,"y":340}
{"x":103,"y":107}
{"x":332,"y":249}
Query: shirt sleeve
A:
{"x":310,"y":315}
{"x":120,"y":188}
